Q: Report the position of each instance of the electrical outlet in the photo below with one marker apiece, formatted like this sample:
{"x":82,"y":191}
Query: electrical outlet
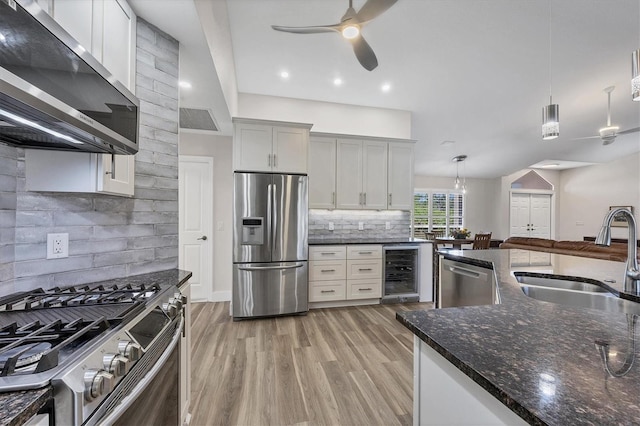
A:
{"x":361,"y":226}
{"x":387,"y":225}
{"x":331,"y":227}
{"x":57,"y":246}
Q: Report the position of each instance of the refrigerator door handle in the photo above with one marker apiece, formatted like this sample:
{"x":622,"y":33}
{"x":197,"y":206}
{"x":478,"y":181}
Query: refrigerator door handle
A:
{"x":273,"y":211}
{"x":266,"y":268}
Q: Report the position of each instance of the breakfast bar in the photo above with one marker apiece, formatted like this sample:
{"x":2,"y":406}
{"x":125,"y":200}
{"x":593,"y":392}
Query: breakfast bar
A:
{"x":547,"y":363}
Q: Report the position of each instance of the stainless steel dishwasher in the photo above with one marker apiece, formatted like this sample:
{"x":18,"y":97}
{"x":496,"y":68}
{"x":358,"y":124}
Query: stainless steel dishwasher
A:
{"x":462,"y":284}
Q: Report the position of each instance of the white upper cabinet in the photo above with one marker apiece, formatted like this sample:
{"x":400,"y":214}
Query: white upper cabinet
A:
{"x":104,"y":28}
{"x":400,"y":182}
{"x":349,"y":174}
{"x":263,"y":146}
{"x":374,"y":175}
{"x":369,"y":173}
{"x":322,"y":173}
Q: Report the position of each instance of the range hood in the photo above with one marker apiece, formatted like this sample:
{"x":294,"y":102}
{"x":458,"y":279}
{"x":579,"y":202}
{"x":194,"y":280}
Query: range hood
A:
{"x":54,"y":94}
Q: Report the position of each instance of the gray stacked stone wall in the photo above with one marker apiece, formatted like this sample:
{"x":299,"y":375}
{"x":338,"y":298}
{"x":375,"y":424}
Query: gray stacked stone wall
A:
{"x":345,"y":224}
{"x":109,"y":236}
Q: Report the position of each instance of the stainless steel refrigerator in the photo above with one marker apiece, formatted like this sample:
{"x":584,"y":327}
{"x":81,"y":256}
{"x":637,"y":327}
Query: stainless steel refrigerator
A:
{"x":270,"y":245}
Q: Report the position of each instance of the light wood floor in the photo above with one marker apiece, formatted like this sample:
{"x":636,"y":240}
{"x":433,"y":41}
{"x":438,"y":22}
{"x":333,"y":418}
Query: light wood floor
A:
{"x":340,"y":366}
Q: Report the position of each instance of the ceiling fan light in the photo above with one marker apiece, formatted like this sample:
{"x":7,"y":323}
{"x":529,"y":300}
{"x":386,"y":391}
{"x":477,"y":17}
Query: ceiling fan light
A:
{"x":350,"y":31}
{"x":607,"y":132}
{"x":550,"y":122}
{"x":635,"y":75}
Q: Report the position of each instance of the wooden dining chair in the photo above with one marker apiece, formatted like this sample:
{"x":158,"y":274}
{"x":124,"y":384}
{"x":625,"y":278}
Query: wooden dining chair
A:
{"x":481,"y":241}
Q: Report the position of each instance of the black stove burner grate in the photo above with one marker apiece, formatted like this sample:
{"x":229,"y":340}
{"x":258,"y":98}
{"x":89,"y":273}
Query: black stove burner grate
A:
{"x":77,"y":296}
{"x":60,"y":335}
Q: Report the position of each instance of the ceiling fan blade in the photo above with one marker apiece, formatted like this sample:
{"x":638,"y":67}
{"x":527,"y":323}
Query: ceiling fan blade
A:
{"x":637,"y":129}
{"x":364,"y":53}
{"x":308,"y":30}
{"x":373,"y":8}
{"x":586,"y":137}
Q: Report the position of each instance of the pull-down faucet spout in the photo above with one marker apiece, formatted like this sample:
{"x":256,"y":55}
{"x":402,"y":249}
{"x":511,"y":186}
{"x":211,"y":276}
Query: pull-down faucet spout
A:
{"x":604,"y":239}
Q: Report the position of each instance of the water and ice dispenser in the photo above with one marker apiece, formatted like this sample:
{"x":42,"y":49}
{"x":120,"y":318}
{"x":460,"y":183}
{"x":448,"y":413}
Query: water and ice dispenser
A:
{"x":252,"y":231}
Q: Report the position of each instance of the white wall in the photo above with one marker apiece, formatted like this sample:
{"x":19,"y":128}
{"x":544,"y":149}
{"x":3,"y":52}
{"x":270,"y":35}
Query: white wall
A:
{"x":480,"y":200}
{"x":328,"y":117}
{"x":587,"y":193}
{"x":218,"y":147}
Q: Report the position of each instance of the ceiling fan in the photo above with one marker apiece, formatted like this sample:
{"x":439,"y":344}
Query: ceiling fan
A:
{"x":609,"y":133}
{"x":350,"y":27}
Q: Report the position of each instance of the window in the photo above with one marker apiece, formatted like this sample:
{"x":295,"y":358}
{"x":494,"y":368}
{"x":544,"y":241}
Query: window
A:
{"x":438,"y":211}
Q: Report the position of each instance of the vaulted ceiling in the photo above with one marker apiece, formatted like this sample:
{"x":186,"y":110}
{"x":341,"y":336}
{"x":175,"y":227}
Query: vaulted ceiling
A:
{"x":475,"y":72}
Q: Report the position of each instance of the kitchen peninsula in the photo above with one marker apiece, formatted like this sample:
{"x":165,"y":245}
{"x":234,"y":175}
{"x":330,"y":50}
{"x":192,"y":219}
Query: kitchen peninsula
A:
{"x":538,"y":359}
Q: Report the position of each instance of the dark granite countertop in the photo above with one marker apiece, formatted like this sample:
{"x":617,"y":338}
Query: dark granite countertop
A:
{"x":20,"y":406}
{"x":540,"y":359}
{"x":370,"y":240}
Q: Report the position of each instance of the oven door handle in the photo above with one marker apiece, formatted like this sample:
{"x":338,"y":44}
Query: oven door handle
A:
{"x":142,"y":384}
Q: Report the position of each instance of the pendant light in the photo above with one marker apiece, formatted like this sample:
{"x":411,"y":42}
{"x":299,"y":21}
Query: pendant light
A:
{"x":635,"y":75}
{"x":460,"y":184}
{"x":551,"y":112}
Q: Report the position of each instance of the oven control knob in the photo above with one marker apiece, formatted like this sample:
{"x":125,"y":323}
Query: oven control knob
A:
{"x":181,"y":297}
{"x":177,"y":302}
{"x":170,"y":309}
{"x":97,"y":383}
{"x":118,"y":365}
{"x":130,"y":350}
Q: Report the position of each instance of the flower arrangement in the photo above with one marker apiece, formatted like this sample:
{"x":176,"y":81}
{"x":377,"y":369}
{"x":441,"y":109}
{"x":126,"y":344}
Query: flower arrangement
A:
{"x":460,"y":234}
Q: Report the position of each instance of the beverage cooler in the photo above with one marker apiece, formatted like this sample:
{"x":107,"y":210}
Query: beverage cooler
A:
{"x":401,"y":272}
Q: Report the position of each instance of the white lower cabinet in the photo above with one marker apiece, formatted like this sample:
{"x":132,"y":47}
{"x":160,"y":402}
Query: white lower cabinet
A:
{"x":185,"y":358}
{"x":345,"y":273}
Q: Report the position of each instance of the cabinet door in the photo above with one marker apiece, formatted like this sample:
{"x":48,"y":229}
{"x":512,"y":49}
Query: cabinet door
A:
{"x":322,"y":173}
{"x":76,"y":16}
{"x":252,"y":147}
{"x":185,"y":356}
{"x":290,"y":150}
{"x":374,"y":176}
{"x":118,"y":41}
{"x":400,"y":183}
{"x":116,"y":176}
{"x":349,"y":174}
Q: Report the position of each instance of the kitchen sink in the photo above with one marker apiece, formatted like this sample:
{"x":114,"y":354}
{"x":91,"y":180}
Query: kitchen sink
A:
{"x":575,"y":293}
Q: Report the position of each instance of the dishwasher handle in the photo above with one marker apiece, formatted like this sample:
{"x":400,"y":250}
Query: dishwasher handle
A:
{"x":463,"y":271}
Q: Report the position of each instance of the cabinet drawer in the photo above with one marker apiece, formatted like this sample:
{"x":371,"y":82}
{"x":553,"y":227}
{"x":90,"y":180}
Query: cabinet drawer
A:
{"x":327,"y":291}
{"x":322,"y":270}
{"x":364,"y":289}
{"x":364,"y":252}
{"x":364,"y":269}
{"x":327,"y":252}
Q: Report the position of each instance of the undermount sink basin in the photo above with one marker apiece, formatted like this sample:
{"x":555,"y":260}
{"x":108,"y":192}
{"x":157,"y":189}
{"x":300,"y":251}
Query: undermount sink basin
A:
{"x":575,"y":293}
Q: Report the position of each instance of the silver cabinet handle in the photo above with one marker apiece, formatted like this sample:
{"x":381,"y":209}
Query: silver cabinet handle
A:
{"x":327,"y":291}
{"x":463,"y":271}
{"x":327,"y":270}
{"x":275,"y":161}
{"x":203,"y":238}
{"x":333,"y":199}
{"x":327,"y":253}
{"x":390,"y":199}
{"x":269,"y":159}
{"x":267,"y":268}
{"x":365,"y":199}
{"x":360,"y":199}
{"x":365,"y":269}
{"x":365,"y":289}
{"x":365,"y":252}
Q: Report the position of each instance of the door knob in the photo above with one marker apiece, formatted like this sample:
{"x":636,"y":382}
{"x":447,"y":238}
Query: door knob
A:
{"x":203,"y":238}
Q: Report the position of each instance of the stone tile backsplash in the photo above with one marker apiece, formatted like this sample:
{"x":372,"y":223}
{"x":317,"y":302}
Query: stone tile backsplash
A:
{"x":346,"y":224}
{"x":109,"y":236}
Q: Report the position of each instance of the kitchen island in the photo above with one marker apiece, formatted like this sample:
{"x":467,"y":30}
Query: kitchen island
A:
{"x":538,"y":359}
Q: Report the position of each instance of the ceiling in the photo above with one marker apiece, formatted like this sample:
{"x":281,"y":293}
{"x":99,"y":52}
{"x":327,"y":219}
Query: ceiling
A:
{"x":475,"y":72}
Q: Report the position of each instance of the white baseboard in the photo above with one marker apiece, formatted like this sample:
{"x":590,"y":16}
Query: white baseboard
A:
{"x":221,"y":296}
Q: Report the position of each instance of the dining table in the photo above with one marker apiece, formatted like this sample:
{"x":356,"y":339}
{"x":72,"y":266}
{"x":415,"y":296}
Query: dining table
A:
{"x":457,"y":243}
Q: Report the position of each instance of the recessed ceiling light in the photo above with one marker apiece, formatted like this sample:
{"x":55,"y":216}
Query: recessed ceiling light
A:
{"x":386,"y":87}
{"x":447,"y":143}
{"x":337,"y":81}
{"x":550,"y":165}
{"x":184,"y":84}
{"x":284,"y":75}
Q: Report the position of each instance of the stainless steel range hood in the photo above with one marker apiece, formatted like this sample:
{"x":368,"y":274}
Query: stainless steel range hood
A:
{"x":55,"y":95}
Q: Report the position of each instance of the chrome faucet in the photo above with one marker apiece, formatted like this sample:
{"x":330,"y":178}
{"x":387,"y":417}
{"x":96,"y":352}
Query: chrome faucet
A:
{"x":604,"y":239}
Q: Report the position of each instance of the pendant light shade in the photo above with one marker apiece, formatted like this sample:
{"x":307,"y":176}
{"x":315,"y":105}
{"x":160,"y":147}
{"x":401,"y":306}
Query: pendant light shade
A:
{"x":635,"y":75}
{"x":460,"y":183}
{"x":550,"y":121}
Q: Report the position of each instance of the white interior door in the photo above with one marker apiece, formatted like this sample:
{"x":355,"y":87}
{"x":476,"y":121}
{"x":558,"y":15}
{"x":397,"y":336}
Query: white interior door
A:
{"x":530,"y":215}
{"x":196,"y":223}
{"x":519,"y":215}
{"x":540,"y":215}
